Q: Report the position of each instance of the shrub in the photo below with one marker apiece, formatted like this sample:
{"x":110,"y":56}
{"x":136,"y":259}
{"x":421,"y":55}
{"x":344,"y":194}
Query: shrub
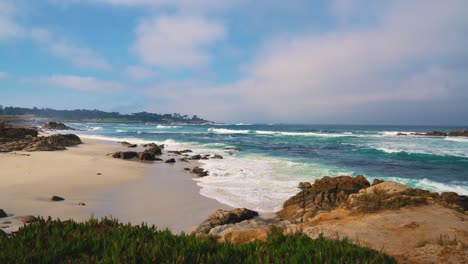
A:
{"x":108,"y":241}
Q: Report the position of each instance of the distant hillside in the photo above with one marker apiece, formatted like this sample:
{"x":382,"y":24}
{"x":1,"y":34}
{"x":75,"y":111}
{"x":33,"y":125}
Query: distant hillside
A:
{"x":82,"y":115}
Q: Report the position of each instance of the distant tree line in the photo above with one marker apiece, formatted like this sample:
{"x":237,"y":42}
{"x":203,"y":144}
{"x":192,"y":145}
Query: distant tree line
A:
{"x":97,"y":115}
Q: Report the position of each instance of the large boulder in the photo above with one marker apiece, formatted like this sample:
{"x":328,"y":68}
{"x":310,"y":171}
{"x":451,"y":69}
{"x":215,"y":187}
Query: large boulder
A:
{"x":56,"y":126}
{"x":453,"y":199}
{"x":224,"y":217}
{"x":199,"y":171}
{"x":146,"y":156}
{"x":2,"y":213}
{"x":63,"y":140}
{"x":155,"y":150}
{"x":324,"y":195}
{"x":459,"y":133}
{"x":436,"y":134}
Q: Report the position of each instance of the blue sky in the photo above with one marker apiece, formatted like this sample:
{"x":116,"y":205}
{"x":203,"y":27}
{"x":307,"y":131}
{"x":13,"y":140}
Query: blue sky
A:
{"x":300,"y":61}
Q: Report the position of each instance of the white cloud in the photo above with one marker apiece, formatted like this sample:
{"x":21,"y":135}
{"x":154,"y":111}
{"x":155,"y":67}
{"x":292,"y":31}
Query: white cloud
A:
{"x":403,"y":59}
{"x":8,"y":26}
{"x":81,"y":83}
{"x":140,"y":73}
{"x":3,"y":75}
{"x":78,"y":55}
{"x":176,"y":41}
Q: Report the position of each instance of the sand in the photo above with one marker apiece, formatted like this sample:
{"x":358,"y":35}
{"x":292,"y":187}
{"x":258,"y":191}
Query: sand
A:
{"x":156,"y":193}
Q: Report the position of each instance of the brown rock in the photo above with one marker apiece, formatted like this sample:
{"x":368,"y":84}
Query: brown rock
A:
{"x":56,"y":126}
{"x":459,"y":133}
{"x":7,"y":131}
{"x":224,"y":217}
{"x":245,"y":236}
{"x":453,"y":198}
{"x":216,"y":156}
{"x":146,"y":156}
{"x":63,"y":140}
{"x":196,"y":157}
{"x":199,"y":171}
{"x":304,"y":185}
{"x":376,"y":181}
{"x":172,"y":160}
{"x":27,"y":219}
{"x":325,"y":194}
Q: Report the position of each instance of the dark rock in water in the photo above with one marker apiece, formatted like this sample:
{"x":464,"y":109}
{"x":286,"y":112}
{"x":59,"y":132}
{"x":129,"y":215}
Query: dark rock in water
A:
{"x":454,"y":199}
{"x":125,"y":155}
{"x":459,"y":133}
{"x":196,"y":157}
{"x":11,"y":132}
{"x":2,"y":213}
{"x":127,"y":144}
{"x":172,"y":160}
{"x":402,"y":134}
{"x":233,"y":149}
{"x":185,"y":151}
{"x":436,"y":134}
{"x":56,"y":126}
{"x":57,"y":198}
{"x":325,"y":194}
{"x":156,"y":150}
{"x":184,"y":160}
{"x":216,"y":156}
{"x":376,"y":181}
{"x":27,"y":219}
{"x":224,"y":217}
{"x":199,"y":171}
{"x":187,"y":169}
{"x":146,"y":156}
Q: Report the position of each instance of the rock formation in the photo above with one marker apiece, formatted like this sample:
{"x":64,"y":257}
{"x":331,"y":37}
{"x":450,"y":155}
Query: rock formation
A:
{"x":56,"y":126}
{"x":224,"y":217}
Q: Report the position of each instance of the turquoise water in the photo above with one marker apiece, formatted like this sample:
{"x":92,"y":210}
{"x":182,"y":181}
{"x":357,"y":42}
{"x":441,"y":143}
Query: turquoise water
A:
{"x":274,"y":158}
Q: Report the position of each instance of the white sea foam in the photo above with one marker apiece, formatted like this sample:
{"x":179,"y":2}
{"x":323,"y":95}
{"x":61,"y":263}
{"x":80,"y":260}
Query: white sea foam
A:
{"x":166,"y":127}
{"x":394,"y":133}
{"x":457,"y":139}
{"x":415,"y":148}
{"x":120,"y":131}
{"x":227,"y":131}
{"x":94,"y":128}
{"x":430,"y":185}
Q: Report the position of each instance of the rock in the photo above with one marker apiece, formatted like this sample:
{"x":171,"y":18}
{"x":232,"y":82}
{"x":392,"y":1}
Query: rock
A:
{"x":27,"y":219}
{"x":324,"y":195}
{"x":56,"y":126}
{"x":233,"y":149}
{"x":245,"y":236}
{"x":82,"y":204}
{"x":125,"y":155}
{"x":436,"y":134}
{"x":2,"y":213}
{"x":184,"y":160}
{"x":388,"y":187}
{"x":146,"y":156}
{"x":57,"y":198}
{"x":187,"y":169}
{"x":185,"y":151}
{"x":224,"y":217}
{"x":459,"y":133}
{"x":98,"y":173}
{"x":127,"y":144}
{"x":156,"y":150}
{"x":304,"y":185}
{"x":453,"y":198}
{"x":199,"y":171}
{"x":63,"y":140}
{"x":402,"y":134}
{"x":376,"y":181}
{"x":196,"y":157}
{"x":216,"y":156}
{"x":7,"y":131}
{"x":172,"y":160}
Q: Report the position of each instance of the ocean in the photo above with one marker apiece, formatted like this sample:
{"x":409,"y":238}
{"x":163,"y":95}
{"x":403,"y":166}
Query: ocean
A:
{"x":274,"y":158}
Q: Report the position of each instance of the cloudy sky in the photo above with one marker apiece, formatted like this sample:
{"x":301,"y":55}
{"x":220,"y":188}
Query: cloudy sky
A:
{"x":298,"y":61}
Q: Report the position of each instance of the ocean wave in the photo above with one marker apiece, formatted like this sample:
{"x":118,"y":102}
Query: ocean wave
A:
{"x":166,"y":127}
{"x":426,"y":184}
{"x":457,"y":139}
{"x":227,"y":131}
{"x":393,"y":133}
{"x":94,"y":128}
{"x":171,"y":144}
{"x":278,"y":133}
{"x":120,"y":131}
{"x":415,"y":149}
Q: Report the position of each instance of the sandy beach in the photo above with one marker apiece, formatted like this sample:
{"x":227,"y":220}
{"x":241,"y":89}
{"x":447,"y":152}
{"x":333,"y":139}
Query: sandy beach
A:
{"x":156,"y":193}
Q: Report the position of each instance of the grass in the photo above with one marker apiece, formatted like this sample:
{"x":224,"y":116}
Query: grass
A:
{"x":108,"y":241}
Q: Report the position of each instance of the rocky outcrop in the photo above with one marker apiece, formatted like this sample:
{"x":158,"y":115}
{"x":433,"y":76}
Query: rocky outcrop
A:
{"x":436,"y":134}
{"x":10,"y":132}
{"x":200,"y":172}
{"x":376,"y":181}
{"x":155,"y":150}
{"x":224,"y":217}
{"x":196,"y":157}
{"x":216,"y":156}
{"x":454,"y":200}
{"x":63,"y":140}
{"x":459,"y":133}
{"x":325,"y":194}
{"x":2,"y":213}
{"x":171,"y":160}
{"x":56,"y":126}
{"x":146,"y":156}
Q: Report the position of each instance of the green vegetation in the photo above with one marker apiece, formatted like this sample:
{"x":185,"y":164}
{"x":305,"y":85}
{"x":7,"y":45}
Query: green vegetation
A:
{"x":107,"y":241}
{"x":98,"y":116}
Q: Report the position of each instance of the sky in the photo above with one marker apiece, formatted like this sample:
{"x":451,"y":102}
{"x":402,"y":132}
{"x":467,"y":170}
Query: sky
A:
{"x":262,"y":61}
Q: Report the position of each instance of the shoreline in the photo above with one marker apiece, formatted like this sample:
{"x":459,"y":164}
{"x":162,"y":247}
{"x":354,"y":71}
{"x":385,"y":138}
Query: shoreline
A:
{"x":130,"y":191}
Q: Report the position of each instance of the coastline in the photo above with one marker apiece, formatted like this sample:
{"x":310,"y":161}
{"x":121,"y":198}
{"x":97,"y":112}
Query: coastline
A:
{"x":160,"y":194}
